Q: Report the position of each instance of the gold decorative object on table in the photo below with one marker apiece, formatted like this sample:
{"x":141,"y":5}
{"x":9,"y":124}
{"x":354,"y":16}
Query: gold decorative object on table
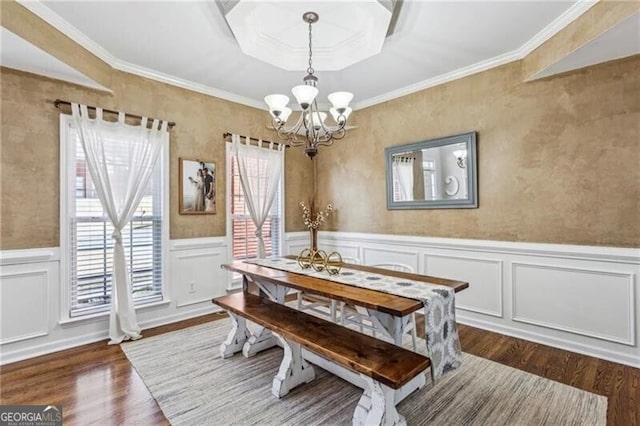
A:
{"x":304,"y":258}
{"x":319,"y":260}
{"x":333,"y":263}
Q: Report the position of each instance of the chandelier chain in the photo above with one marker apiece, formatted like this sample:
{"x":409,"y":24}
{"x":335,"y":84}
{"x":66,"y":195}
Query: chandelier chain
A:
{"x":310,"y":70}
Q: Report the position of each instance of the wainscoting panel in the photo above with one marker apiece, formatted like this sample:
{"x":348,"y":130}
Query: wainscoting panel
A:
{"x":295,"y":242}
{"x":24,"y":300}
{"x":484,"y":276}
{"x":590,"y":302}
{"x":579,"y":298}
{"x":195,"y":271}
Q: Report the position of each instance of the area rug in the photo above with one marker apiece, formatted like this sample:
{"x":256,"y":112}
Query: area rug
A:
{"x":194,"y":386}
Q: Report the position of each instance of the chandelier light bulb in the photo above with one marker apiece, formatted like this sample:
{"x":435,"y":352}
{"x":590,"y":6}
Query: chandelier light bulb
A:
{"x":317,"y":119}
{"x":340,"y":100}
{"x":276,"y":104}
{"x":284,"y":115}
{"x":304,"y":95}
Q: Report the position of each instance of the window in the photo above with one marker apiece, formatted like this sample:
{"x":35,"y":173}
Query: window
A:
{"x":87,"y":242}
{"x":240,"y":227}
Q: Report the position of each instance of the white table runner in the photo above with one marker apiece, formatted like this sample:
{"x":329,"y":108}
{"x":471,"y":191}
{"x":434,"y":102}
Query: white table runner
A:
{"x":443,"y":343}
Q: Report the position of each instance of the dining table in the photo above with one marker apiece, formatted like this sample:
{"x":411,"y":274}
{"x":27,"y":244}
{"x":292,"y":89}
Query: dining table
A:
{"x":366,"y":287}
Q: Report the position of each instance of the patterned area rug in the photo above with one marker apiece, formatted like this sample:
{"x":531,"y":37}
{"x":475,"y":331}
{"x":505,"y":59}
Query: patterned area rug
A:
{"x":193,"y":385}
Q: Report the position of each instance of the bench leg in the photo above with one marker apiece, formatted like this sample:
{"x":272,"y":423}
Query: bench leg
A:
{"x":236,"y":337}
{"x":260,"y":340}
{"x":377,"y":406}
{"x":294,"y":370}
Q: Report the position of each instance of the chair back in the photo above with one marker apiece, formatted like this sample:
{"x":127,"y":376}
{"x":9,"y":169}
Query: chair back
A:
{"x":400,"y":267}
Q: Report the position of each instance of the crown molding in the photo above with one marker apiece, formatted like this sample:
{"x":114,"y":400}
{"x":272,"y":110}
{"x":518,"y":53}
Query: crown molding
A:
{"x":41,"y":10}
{"x":570,"y":15}
{"x":186,"y":84}
{"x":441,"y":79}
{"x":55,"y":20}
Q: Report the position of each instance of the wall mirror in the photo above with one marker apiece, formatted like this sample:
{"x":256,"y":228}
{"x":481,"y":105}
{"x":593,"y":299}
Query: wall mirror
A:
{"x":433,"y":174}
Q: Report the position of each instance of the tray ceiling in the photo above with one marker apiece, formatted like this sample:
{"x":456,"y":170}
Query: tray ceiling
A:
{"x":190,"y":44}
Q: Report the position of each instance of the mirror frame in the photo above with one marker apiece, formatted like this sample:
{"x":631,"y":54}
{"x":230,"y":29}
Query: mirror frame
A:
{"x":472,"y":166}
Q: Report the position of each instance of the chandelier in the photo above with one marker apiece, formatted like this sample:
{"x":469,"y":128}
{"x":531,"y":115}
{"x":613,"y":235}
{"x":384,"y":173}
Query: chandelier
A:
{"x":310,"y":130}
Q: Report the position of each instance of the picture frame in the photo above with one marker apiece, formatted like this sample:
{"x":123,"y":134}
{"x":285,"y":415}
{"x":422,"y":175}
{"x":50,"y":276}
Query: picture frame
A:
{"x":197,"y":187}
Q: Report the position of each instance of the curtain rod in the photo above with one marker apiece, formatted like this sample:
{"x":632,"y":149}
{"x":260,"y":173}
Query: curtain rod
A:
{"x":59,"y":102}
{"x":227,"y":135}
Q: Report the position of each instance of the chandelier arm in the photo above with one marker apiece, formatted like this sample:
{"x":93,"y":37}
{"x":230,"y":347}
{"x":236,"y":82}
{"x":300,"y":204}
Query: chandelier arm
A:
{"x":325,"y":135}
{"x":330,"y":131}
{"x":327,"y":143}
{"x":290,"y":134}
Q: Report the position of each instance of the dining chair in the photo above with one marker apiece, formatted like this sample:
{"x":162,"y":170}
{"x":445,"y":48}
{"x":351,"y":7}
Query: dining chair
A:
{"x":323,"y":306}
{"x":351,"y":315}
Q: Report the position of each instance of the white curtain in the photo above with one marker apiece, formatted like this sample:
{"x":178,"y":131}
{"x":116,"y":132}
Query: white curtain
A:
{"x":120,"y":159}
{"x":260,"y":171}
{"x":403,"y":169}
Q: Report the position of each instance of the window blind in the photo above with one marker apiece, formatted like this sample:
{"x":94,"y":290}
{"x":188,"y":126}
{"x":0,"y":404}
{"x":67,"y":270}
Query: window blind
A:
{"x":244,"y":241}
{"x":91,"y":245}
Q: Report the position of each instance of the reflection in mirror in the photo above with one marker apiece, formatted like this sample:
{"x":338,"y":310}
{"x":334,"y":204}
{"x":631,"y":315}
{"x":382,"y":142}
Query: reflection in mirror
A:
{"x":432,"y":174}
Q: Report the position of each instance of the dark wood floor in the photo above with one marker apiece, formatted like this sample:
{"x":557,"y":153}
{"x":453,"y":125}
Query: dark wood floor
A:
{"x":96,"y":384}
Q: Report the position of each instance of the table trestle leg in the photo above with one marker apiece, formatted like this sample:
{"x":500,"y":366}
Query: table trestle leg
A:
{"x":377,"y":406}
{"x":294,"y":370}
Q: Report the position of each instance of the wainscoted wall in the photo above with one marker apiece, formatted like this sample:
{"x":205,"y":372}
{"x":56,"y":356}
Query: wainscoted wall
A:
{"x":30,"y":297}
{"x":580,"y":298}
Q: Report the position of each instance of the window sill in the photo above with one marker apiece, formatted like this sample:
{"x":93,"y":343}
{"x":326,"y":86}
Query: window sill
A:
{"x":105,"y":314}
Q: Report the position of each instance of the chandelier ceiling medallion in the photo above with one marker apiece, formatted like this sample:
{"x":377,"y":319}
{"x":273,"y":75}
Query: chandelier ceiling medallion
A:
{"x":310,"y":130}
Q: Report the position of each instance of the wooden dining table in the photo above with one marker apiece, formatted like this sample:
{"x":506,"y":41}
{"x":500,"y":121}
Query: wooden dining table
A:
{"x":391,"y":314}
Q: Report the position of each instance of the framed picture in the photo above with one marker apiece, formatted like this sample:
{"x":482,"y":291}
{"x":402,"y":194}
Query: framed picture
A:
{"x":197,"y":187}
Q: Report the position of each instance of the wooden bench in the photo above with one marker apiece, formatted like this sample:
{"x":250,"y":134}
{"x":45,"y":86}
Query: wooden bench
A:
{"x":384,"y":367}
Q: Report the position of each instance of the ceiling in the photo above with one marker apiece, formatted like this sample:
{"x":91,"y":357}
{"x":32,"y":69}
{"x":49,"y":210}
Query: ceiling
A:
{"x":190,"y":44}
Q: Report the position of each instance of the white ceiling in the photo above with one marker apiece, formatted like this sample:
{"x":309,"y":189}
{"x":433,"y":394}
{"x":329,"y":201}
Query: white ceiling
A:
{"x":275,"y":32}
{"x":189,"y":43}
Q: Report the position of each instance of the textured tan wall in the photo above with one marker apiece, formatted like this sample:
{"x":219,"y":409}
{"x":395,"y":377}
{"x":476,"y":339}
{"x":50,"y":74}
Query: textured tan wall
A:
{"x":29,"y":150}
{"x":559,"y":158}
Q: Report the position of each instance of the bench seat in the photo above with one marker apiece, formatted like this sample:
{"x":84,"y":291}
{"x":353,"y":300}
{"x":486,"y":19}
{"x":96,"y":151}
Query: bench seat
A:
{"x":383,"y":366}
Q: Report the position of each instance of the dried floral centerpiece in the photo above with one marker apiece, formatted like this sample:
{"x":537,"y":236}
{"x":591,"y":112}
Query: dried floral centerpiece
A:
{"x":313,"y":220}
{"x":312,"y":257}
